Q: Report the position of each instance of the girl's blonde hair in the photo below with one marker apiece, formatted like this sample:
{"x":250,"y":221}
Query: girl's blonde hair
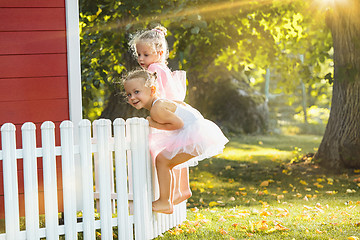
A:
{"x":155,"y":38}
{"x":149,"y":77}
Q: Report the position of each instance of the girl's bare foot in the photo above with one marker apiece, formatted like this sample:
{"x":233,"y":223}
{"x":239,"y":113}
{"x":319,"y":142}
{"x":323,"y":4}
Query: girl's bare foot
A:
{"x":180,"y":197}
{"x":162,"y":206}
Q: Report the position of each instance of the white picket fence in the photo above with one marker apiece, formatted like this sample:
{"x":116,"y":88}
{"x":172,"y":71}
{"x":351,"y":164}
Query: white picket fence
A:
{"x":124,"y":181}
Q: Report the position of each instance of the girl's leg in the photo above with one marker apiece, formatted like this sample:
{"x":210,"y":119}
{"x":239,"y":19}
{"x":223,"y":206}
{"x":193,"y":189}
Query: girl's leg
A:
{"x":164,"y":168}
{"x":177,"y":187}
{"x":185,"y":191}
{"x":174,"y":183}
{"x":164,"y":175}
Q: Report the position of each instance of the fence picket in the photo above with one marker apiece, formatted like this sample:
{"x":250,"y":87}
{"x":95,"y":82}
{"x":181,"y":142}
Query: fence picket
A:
{"x":102,"y":132}
{"x":68,"y":177}
{"x":87,"y":179}
{"x":141,"y":201}
{"x":8,"y":142}
{"x":124,"y":228}
{"x":50,"y":182}
{"x":149,"y":171}
{"x":30,"y":180}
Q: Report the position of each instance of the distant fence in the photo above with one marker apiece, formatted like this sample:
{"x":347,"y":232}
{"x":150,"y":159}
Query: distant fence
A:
{"x":124,"y":182}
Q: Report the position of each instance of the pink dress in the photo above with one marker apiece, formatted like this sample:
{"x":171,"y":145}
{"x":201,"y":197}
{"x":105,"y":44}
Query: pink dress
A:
{"x":199,"y":137}
{"x":171,"y":85}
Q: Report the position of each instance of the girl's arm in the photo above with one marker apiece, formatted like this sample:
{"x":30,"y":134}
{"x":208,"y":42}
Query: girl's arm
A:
{"x":163,"y":118}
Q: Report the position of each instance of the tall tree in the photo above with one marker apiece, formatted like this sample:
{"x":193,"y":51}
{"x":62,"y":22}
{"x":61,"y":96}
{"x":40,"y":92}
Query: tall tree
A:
{"x":340,"y":146}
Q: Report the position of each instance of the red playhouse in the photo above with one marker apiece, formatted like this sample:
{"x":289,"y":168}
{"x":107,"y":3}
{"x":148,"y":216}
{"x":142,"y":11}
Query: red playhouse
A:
{"x":40,"y":77}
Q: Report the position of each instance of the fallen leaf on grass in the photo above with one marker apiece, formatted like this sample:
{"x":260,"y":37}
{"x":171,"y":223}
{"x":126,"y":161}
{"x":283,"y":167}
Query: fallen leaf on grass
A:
{"x":318,"y":185}
{"x":303,"y":182}
{"x":320,"y":180}
{"x":194,"y":209}
{"x":281,"y":227}
{"x":191,"y":230}
{"x":264,"y":184}
{"x":350,"y":190}
{"x":222,"y":231}
{"x":235,"y":225}
{"x":330,"y":181}
{"x":331,"y":192}
{"x":265,"y":213}
{"x":279,"y":197}
{"x":204,"y":221}
{"x":212,"y":204}
{"x":286,"y":171}
{"x":282,"y":212}
{"x":176,"y":231}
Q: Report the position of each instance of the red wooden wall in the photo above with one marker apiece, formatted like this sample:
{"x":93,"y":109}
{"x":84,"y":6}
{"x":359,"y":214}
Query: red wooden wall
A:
{"x":33,"y":74}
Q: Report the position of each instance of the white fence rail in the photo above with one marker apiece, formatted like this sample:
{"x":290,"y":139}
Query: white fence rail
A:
{"x":123,"y":175}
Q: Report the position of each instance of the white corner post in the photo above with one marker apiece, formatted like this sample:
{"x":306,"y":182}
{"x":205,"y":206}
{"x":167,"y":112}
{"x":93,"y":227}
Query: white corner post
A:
{"x":74,"y":82}
{"x":73,"y":60}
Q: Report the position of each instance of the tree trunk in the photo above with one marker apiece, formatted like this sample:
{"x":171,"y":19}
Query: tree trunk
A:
{"x":340,"y":146}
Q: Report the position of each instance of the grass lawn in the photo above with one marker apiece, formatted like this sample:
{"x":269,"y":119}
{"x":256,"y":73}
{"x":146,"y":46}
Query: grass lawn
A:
{"x":262,"y":187}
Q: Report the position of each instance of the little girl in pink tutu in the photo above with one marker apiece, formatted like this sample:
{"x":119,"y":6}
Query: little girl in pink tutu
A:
{"x":189,"y":137}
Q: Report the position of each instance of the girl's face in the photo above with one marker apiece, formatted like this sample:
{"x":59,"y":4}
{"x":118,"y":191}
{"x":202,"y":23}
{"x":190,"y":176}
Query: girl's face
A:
{"x":138,"y":95}
{"x":146,"y":55}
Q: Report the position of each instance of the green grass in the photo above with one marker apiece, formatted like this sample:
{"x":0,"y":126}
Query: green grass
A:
{"x":262,"y":188}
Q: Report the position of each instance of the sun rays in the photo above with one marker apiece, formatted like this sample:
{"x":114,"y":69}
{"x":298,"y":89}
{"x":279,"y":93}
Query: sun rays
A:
{"x":206,"y":12}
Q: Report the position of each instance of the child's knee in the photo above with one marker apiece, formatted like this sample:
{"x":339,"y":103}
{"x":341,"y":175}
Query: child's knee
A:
{"x":162,"y":161}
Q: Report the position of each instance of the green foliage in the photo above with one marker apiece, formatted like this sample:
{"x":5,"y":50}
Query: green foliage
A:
{"x":204,"y":36}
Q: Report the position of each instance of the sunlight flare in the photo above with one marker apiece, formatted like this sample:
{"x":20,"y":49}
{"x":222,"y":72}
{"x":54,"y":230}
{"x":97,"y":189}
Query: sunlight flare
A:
{"x":326,"y":4}
{"x":206,"y":11}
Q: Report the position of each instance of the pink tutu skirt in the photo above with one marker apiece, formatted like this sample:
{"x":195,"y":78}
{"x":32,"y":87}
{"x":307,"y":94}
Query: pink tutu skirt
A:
{"x":200,"y":137}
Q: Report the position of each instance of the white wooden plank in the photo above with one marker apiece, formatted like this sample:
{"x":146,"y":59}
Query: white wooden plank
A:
{"x":11,"y":198}
{"x":69,"y":180}
{"x":102,"y":132}
{"x":87,"y":179}
{"x":149,"y":177}
{"x":142,"y":202}
{"x":124,"y":226}
{"x":50,"y":182}
{"x":30,"y":180}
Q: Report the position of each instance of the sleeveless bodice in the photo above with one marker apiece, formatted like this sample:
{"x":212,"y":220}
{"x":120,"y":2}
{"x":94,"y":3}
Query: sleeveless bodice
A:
{"x":187,"y":114}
